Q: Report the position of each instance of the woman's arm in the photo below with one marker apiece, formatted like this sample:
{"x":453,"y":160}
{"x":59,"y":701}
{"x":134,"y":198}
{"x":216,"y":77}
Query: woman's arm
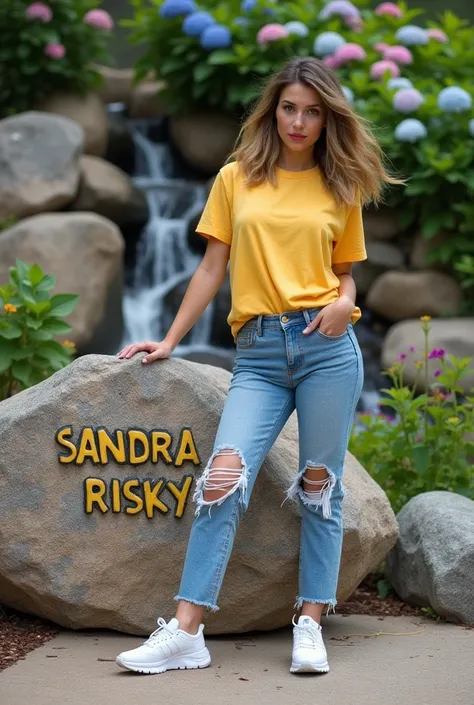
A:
{"x":347,"y":287}
{"x":333,"y":318}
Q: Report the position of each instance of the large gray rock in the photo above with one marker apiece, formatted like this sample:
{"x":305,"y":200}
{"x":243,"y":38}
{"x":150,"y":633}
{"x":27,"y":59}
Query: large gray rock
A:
{"x":455,"y":335}
{"x":432,"y":562}
{"x":381,"y":257}
{"x":399,"y":295}
{"x":85,"y":253}
{"x":205,"y":140}
{"x":39,"y":163}
{"x":119,"y":570}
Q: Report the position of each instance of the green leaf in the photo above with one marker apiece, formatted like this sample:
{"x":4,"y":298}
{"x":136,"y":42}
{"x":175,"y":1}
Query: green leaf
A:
{"x":22,"y":353}
{"x":6,"y":351}
{"x":10,"y":333}
{"x":48,"y":283}
{"x":63,"y":304}
{"x":21,"y":371}
{"x":219,"y":57}
{"x":421,"y":459}
{"x":35,"y":275}
{"x":55,"y":326}
{"x":202,"y":71}
{"x":384,"y":588}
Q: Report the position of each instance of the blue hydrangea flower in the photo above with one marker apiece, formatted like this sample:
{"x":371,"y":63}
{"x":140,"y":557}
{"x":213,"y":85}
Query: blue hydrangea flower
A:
{"x":216,"y":37}
{"x":410,"y":130}
{"x":297,"y":28}
{"x":176,"y":8}
{"x":454,"y":100}
{"x":349,"y":93}
{"x":196,"y":23}
{"x":397,"y":83}
{"x":327,"y":43}
{"x":248,"y":5}
{"x":411,"y":35}
{"x":471,"y":127}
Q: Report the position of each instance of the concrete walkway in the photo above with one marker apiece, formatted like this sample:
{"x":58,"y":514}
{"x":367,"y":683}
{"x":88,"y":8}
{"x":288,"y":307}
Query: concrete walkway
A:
{"x":421,"y":663}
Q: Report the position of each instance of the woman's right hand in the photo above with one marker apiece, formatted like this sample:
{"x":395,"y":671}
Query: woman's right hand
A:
{"x":156,"y":351}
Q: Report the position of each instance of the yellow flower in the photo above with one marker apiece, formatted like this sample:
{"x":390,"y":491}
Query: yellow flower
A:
{"x":10,"y":308}
{"x":425,"y":319}
{"x":68,"y":344}
{"x":454,"y":420}
{"x":419,"y":364}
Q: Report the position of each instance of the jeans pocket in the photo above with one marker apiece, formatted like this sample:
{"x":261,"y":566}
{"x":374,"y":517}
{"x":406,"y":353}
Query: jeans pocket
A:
{"x":246,"y":339}
{"x":330,"y":337}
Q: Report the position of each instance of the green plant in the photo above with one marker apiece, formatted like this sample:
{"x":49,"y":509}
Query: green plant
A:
{"x":426,"y":443}
{"x":439,"y":167}
{"x":29,"y":320}
{"x":48,"y":47}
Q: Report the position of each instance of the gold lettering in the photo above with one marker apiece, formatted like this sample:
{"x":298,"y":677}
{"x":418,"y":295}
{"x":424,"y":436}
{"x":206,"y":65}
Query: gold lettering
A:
{"x":60,"y":438}
{"x":94,"y":492}
{"x":128,"y":494}
{"x":152,"y":500}
{"x":133,"y":437}
{"x":87,"y":447}
{"x":115,"y":495}
{"x":160,"y":442}
{"x":106,"y":443}
{"x":187,"y":449}
{"x":180,"y":493}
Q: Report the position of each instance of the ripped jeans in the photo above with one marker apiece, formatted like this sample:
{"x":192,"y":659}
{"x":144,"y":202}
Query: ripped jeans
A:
{"x":277,"y":370}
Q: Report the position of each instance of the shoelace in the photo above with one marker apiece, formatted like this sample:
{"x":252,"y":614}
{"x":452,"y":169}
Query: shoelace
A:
{"x":307,"y":635}
{"x":161,"y":634}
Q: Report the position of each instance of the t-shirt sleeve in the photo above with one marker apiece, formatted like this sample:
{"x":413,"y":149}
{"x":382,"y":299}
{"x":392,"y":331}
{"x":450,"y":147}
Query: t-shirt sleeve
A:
{"x":350,"y":246}
{"x":216,"y":219}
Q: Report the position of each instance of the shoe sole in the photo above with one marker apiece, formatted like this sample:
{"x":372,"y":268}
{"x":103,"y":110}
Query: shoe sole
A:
{"x":202,"y":659}
{"x":308,"y":668}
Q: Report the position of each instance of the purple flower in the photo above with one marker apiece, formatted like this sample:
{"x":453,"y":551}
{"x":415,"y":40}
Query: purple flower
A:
{"x":437,"y":354}
{"x":343,"y":8}
{"x":437,"y":34}
{"x":55,"y":50}
{"x":99,"y":19}
{"x":412,"y":348}
{"x":438,"y":373}
{"x":195,"y":23}
{"x":388,"y":8}
{"x":402,"y":357}
{"x":271,"y":33}
{"x":399,"y":54}
{"x":39,"y":11}
{"x":216,"y":37}
{"x":407,"y":100}
{"x":380,"y":68}
{"x":350,"y":52}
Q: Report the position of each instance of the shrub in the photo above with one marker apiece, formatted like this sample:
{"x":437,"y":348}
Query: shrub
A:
{"x":427,"y":133}
{"x":427,"y":442}
{"x":29,"y":320}
{"x":49,"y":46}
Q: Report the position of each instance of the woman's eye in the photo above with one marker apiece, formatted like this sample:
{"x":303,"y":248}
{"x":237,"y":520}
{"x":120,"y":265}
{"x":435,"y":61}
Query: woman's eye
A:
{"x":288,"y":108}
{"x":313,"y":111}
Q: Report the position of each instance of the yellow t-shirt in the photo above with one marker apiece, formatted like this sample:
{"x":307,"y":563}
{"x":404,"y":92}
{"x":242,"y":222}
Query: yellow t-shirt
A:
{"x":283,"y":240}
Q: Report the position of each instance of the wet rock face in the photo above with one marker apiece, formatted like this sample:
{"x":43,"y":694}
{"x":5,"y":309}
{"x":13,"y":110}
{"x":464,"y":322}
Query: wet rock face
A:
{"x":97,"y":470}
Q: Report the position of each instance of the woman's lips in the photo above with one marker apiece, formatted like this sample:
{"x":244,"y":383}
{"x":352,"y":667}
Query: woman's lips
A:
{"x":297,"y":138}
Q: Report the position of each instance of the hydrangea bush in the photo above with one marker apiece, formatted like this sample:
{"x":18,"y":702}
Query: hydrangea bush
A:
{"x":412,"y":80}
{"x":49,"y":46}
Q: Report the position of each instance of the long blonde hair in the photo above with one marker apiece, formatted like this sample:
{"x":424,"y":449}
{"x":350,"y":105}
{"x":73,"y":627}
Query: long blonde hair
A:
{"x":350,"y":158}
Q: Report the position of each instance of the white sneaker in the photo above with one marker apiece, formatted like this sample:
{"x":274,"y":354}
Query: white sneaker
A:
{"x":309,"y":652}
{"x":166,"y":649}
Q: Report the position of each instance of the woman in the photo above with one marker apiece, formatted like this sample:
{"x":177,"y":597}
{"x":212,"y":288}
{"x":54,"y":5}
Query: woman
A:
{"x":286,"y":212}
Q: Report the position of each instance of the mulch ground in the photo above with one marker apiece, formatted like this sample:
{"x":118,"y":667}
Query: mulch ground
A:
{"x":21,"y":633}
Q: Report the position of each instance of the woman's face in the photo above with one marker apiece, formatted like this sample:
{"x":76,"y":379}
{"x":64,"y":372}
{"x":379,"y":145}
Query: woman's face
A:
{"x":300,"y":117}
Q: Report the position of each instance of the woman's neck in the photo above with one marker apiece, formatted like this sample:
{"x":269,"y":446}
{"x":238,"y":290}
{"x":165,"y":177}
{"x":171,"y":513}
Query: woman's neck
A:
{"x":295,"y":161}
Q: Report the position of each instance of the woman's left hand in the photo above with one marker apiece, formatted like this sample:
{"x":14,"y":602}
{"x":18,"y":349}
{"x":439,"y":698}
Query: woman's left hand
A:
{"x":332,"y":320}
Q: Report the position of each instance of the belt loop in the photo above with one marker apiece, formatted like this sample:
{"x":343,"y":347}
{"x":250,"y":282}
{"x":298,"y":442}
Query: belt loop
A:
{"x":307,"y":317}
{"x":259,"y":325}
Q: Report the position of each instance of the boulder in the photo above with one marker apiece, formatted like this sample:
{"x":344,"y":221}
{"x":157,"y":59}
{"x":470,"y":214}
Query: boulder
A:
{"x":84,"y":251}
{"x":381,"y":257}
{"x":88,"y":111}
{"x":83,"y":543}
{"x":381,"y":224}
{"x":107,"y":190}
{"x":205,"y":140}
{"x":432,"y":563}
{"x":117,"y":84}
{"x":455,"y":335}
{"x":422,"y":249}
{"x":39,"y":163}
{"x":398,"y":295}
{"x":145,"y":100}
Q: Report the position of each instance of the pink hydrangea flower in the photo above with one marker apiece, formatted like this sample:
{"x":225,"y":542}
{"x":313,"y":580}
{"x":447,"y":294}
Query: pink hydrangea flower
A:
{"x":407,"y":100}
{"x":39,"y":11}
{"x":356,"y":24}
{"x":55,"y":50}
{"x":389,"y":8}
{"x":381,"y":47}
{"x":271,"y":33}
{"x":350,"y":52}
{"x":99,"y":19}
{"x":438,"y":35}
{"x":379,"y":68}
{"x":399,"y":54}
{"x":332,"y":62}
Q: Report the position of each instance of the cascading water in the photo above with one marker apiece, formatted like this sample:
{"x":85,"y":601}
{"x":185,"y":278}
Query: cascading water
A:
{"x":164,"y":259}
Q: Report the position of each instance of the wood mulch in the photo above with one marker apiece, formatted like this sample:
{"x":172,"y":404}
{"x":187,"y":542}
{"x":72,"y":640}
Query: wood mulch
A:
{"x":21,"y":633}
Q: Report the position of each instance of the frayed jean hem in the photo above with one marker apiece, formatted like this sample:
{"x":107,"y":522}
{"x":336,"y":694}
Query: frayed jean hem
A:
{"x":330,"y":603}
{"x":211,"y":607}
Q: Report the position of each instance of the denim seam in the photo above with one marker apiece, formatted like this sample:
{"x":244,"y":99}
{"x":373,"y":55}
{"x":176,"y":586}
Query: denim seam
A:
{"x":352,"y":406}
